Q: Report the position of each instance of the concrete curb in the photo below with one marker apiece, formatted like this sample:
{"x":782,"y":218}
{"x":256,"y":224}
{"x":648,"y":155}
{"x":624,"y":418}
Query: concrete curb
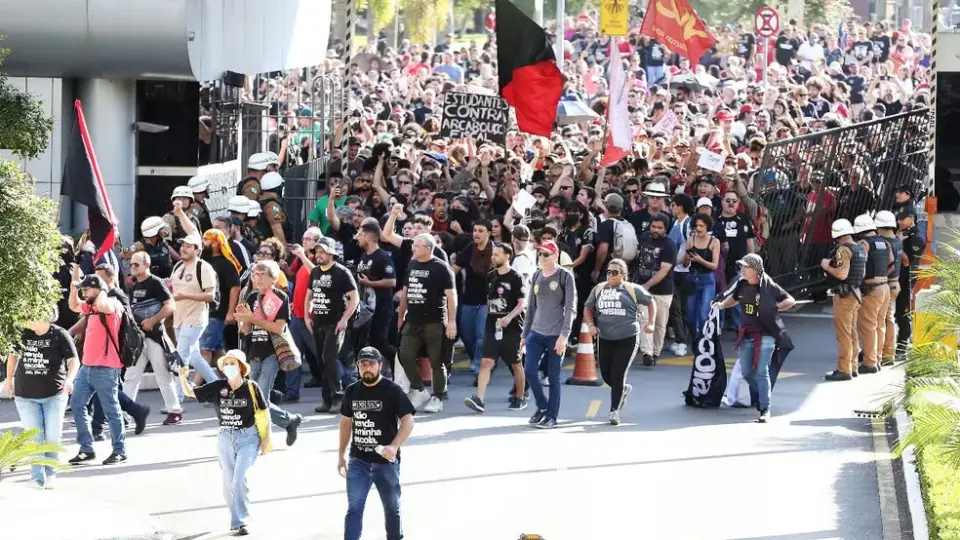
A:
{"x":911,"y":477}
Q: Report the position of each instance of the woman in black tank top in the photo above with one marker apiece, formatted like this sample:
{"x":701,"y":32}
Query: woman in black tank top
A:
{"x":702,"y":255}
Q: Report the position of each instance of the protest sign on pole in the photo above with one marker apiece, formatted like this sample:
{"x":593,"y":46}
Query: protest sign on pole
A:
{"x":474,"y":116}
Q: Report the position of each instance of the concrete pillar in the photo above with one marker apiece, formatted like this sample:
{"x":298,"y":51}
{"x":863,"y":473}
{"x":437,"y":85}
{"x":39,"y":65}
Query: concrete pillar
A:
{"x":109,"y":106}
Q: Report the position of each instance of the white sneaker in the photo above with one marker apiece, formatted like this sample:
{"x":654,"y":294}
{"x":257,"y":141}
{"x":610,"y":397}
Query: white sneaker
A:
{"x":681,"y":349}
{"x":418,"y":398}
{"x":673,"y":348}
{"x":434,"y":405}
{"x":626,"y":393}
{"x":544,"y":381}
{"x":615,"y":418}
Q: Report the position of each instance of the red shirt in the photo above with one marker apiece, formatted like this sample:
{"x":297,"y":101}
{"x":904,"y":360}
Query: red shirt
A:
{"x":98,"y":349}
{"x":301,"y":284}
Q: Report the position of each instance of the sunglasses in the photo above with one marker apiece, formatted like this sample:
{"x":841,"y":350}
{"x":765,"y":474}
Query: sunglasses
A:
{"x":633,"y":191}
{"x":265,"y":253}
{"x":136,"y":265}
{"x":613,"y":272}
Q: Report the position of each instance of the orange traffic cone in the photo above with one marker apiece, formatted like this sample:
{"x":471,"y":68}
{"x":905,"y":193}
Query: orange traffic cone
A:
{"x":425,"y":372}
{"x":585,"y":371}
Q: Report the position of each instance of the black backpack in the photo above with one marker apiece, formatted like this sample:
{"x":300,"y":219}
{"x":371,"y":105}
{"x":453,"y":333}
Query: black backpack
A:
{"x":215,"y":303}
{"x":129,"y":347}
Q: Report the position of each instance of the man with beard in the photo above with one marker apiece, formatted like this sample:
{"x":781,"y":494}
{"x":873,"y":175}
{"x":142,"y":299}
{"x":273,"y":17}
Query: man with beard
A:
{"x":475,"y":259}
{"x":344,"y":223}
{"x":441,"y":222}
{"x":377,"y":271}
{"x":378,"y":417}
{"x":656,"y":257}
{"x":241,"y":249}
{"x":217,"y":252}
{"x":194,"y":285}
{"x":330,"y":305}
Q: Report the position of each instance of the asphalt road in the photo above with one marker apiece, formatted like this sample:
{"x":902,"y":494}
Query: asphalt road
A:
{"x":668,"y":472}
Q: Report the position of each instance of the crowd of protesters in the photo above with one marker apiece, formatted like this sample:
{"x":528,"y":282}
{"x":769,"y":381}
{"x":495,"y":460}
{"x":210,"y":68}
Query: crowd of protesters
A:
{"x":419,"y":243}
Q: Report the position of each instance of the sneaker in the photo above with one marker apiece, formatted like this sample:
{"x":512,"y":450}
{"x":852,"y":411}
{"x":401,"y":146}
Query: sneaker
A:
{"x":82,"y":457}
{"x":434,"y":405}
{"x":866,"y":370}
{"x":474,"y":403}
{"x":99,"y":437}
{"x":313,"y":383}
{"x":50,"y":482}
{"x":517,"y":404}
{"x":673,"y":348}
{"x":292,"y":429}
{"x":615,"y":418}
{"x":538,"y":416}
{"x":114,"y":459}
{"x":140,"y":420}
{"x":164,"y":411}
{"x":173,"y":419}
{"x":291,"y":399}
{"x":325,"y":407}
{"x":837,"y":375}
{"x":546,"y":423}
{"x":887,"y":361}
{"x":418,"y":398}
{"x":626,"y":393}
{"x":681,"y":349}
{"x":648,"y":360}
{"x":764,"y":416}
{"x":242,"y":531}
{"x":476,"y":381}
{"x":656,"y":358}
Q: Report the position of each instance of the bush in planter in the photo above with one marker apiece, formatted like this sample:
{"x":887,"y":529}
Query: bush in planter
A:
{"x":23,"y":450}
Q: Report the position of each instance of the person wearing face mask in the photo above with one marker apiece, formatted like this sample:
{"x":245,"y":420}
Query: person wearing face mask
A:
{"x":237,"y":402}
{"x":578,"y":239}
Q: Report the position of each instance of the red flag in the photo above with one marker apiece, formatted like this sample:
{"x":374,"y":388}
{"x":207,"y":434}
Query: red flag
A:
{"x":675,"y":24}
{"x":82,"y":182}
{"x":530,"y":80}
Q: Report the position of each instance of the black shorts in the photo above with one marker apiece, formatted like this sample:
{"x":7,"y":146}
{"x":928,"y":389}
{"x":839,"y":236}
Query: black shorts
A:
{"x":506,"y":349}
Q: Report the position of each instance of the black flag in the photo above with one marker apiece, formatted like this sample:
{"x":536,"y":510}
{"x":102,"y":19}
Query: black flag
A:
{"x":83,"y":184}
{"x":708,"y":376}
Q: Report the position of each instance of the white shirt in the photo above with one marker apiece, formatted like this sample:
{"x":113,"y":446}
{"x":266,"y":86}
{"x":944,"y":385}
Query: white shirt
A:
{"x":525,"y":263}
{"x":808,"y":54}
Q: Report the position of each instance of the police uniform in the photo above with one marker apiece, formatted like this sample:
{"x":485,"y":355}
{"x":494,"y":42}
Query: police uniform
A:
{"x":176,"y":231}
{"x":271,"y":211}
{"x":199,"y":210}
{"x":846,"y":304}
{"x":161,"y":260}
{"x":890,"y":330}
{"x":249,"y":187}
{"x":876,"y":297}
{"x":913,"y":247}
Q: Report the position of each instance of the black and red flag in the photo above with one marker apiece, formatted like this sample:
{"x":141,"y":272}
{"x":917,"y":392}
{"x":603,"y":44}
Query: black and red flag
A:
{"x":530,"y":80}
{"x":83,"y":184}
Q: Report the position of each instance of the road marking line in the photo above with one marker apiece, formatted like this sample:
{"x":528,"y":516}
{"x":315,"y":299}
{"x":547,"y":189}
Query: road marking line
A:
{"x":593,"y":409}
{"x":889,"y":506}
{"x":808,"y":315}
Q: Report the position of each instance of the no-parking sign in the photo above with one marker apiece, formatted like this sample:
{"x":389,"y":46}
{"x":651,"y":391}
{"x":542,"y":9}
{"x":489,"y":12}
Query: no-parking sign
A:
{"x":767,"y":22}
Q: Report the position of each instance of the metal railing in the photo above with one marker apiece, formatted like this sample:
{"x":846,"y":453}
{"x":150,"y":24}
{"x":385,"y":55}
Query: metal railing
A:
{"x":805,"y":183}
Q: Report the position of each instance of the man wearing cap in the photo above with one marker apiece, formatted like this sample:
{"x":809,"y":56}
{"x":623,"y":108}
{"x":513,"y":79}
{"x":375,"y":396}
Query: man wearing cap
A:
{"x":913,"y":247}
{"x":376,"y":419}
{"x":607,"y":233}
{"x":256,"y":168}
{"x":159,"y":251}
{"x":552,"y":306}
{"x":178,"y":219}
{"x":903,"y":201}
{"x":273,"y":221}
{"x":876,"y":292}
{"x":199,"y":186}
{"x":762,"y":334}
{"x":194,"y":286}
{"x":329,"y":307}
{"x":847,"y":266}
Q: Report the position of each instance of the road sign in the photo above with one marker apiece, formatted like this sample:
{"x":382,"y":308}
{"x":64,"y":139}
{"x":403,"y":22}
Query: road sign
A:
{"x":767,"y":22}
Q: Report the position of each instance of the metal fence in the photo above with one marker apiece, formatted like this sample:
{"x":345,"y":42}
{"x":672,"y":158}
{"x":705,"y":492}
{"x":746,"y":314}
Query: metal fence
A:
{"x":805,"y":183}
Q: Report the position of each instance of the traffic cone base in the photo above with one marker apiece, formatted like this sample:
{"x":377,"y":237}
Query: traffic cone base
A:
{"x":585,"y":370}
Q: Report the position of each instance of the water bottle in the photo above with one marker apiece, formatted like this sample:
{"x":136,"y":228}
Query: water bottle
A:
{"x":499,"y":334}
{"x":379,"y":449}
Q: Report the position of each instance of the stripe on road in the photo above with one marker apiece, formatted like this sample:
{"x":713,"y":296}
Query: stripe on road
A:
{"x":593,"y":409}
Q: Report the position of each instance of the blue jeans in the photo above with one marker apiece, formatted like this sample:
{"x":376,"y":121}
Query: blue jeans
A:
{"x":238,"y":449}
{"x":188,"y":345}
{"x":758,"y":379}
{"x":473,"y":322}
{"x":698,"y":302}
{"x":265,"y":373}
{"x":360,"y":475}
{"x":654,"y":74}
{"x":212,"y":337}
{"x":304,"y":342}
{"x":538,"y":346}
{"x":105,"y":382}
{"x":45,"y":414}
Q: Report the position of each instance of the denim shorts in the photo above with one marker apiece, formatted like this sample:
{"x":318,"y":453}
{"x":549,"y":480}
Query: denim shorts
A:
{"x":212,"y":337}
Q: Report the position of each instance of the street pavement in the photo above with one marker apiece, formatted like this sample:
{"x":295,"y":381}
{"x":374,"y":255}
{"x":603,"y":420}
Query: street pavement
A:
{"x":667,"y":472}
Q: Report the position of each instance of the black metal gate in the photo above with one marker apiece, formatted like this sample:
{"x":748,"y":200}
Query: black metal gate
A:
{"x":805,"y":183}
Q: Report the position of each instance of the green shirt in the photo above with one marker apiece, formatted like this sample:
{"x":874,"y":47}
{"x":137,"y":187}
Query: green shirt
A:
{"x":319,"y":214}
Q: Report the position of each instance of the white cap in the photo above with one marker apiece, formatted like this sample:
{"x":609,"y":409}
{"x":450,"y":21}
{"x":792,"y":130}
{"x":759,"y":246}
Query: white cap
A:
{"x":258,"y":162}
{"x":192,"y":239}
{"x":239,"y":204}
{"x":841,"y":227}
{"x":271,"y":180}
{"x":864,"y":223}
{"x":198,"y":184}
{"x":182,"y":191}
{"x":151,"y":226}
{"x":703,"y":201}
{"x":886,"y":220}
{"x":272,"y":158}
{"x":253,"y":210}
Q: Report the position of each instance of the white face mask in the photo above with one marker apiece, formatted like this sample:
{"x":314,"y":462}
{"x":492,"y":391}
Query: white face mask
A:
{"x":231,"y":372}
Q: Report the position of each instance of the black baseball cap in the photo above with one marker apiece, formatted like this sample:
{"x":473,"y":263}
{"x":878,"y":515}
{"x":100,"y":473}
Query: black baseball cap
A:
{"x":370,"y":354}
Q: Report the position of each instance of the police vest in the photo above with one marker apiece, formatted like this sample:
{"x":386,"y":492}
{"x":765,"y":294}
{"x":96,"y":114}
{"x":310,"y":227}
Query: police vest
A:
{"x":858,"y":264}
{"x":878,"y":258}
{"x":161,"y":263}
{"x":264,"y":222}
{"x":897,"y":246}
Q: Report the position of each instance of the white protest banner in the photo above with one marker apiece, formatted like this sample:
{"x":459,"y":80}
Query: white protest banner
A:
{"x":523,"y":201}
{"x":474,"y":116}
{"x":667,"y":123}
{"x":710,"y":160}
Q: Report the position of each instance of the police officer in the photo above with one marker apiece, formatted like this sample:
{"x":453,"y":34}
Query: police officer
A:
{"x":252,"y":223}
{"x":184,"y":196}
{"x":876,"y":292}
{"x":161,"y":255}
{"x":913,"y":247}
{"x":887,"y":228}
{"x":273,"y":220}
{"x":847,"y":266}
{"x":257,"y":165}
{"x":199,"y":186}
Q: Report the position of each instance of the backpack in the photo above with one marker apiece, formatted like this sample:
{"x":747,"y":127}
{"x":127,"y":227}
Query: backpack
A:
{"x":365,"y":308}
{"x":625,"y":244}
{"x":215,"y":303}
{"x":630,"y":290}
{"x":130,"y":338}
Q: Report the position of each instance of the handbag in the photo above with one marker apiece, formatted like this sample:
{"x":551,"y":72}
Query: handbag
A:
{"x":288,"y":355}
{"x":261,"y":418}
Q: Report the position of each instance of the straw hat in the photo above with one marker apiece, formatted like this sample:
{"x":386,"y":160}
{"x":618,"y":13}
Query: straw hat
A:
{"x":239,"y":357}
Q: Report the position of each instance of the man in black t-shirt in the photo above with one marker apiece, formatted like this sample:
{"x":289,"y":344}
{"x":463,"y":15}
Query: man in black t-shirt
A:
{"x":331,"y":303}
{"x":738,"y":237}
{"x":428,"y":312}
{"x":376,"y":418}
{"x":377,"y":271}
{"x":215,"y":251}
{"x":503,"y":332}
{"x":152,"y":303}
{"x":656,"y":256}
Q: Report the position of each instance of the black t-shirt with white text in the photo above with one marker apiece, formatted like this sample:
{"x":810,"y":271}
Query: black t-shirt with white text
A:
{"x":376,"y":412}
{"x":651,"y":254}
{"x":235,"y":408}
{"x":351,"y":250}
{"x":376,"y":266}
{"x":406,"y":256}
{"x":260,"y":345}
{"x":42,"y":365}
{"x":575,"y":240}
{"x":736,"y":230}
{"x":329,"y":287}
{"x":427,"y":283}
{"x":504,"y":292}
{"x":147,"y":297}
{"x":744,"y":44}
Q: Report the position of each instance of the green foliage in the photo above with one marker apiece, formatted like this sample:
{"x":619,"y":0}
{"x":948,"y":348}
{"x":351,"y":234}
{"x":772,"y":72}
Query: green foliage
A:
{"x":716,"y":12}
{"x":938,"y":480}
{"x":573,"y":8}
{"x":24,"y":127}
{"x":23,"y":450}
{"x":383,"y":13}
{"x":423,"y":18}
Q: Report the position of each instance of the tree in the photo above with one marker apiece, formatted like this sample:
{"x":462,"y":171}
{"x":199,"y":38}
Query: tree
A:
{"x":29,"y":237}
